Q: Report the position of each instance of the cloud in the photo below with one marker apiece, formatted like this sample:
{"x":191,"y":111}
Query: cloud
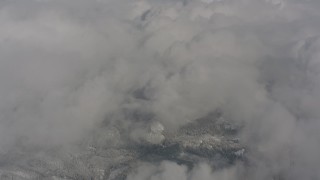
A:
{"x":66,"y":67}
{"x":167,"y":170}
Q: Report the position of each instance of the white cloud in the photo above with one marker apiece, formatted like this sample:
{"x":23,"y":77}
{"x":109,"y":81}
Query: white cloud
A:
{"x":65,"y":66}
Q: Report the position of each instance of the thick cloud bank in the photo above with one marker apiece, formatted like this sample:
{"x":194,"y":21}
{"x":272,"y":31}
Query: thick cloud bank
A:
{"x":67,"y":67}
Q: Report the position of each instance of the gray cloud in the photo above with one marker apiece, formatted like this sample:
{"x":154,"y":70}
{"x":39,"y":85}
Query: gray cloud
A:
{"x":66,"y":67}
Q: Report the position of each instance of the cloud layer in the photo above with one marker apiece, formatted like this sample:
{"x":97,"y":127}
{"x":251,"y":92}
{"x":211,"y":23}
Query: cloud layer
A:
{"x":68,"y":66}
